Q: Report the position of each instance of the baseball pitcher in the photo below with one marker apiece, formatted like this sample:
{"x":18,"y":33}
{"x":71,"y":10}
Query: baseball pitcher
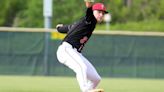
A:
{"x":78,"y":33}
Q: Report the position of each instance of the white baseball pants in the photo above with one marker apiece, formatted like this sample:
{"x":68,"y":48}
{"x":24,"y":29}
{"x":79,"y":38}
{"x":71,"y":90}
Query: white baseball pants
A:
{"x":86,"y":74}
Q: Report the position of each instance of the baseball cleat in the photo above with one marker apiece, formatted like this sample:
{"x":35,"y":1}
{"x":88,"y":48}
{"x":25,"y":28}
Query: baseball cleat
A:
{"x":96,"y":90}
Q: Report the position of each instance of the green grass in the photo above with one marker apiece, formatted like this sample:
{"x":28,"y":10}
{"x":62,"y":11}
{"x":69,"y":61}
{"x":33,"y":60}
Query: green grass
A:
{"x":69,"y":84}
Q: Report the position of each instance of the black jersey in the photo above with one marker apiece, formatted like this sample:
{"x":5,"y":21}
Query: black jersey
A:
{"x":79,"y":32}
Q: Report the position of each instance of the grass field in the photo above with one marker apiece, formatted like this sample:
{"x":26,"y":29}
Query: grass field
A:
{"x":69,"y":84}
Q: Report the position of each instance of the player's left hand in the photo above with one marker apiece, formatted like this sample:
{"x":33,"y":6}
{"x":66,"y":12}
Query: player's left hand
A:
{"x":59,"y":25}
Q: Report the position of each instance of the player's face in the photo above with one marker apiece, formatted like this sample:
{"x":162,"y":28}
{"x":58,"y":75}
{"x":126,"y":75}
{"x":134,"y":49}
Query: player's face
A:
{"x":98,"y":15}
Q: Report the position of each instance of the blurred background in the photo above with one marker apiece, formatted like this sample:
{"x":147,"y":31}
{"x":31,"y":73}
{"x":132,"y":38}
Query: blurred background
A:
{"x":129,"y":43}
{"x":137,"y":15}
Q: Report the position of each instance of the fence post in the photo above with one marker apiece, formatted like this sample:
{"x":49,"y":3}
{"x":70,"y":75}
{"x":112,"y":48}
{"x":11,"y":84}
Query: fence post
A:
{"x":47,"y":13}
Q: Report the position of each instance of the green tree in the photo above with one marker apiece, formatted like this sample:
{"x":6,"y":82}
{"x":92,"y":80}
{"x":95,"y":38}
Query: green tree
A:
{"x":9,"y":10}
{"x":31,"y":16}
{"x":29,"y":13}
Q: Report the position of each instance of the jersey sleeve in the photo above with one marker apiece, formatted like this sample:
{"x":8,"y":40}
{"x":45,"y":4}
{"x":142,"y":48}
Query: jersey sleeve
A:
{"x":89,"y":14}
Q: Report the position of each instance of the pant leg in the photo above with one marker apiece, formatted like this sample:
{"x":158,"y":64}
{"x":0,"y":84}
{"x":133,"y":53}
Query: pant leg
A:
{"x":92,"y":76}
{"x":71,"y":58}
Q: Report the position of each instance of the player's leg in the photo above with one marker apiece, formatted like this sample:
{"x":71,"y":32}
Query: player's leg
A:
{"x":92,"y":75}
{"x":76,"y":63}
{"x":71,"y":58}
{"x":60,"y":54}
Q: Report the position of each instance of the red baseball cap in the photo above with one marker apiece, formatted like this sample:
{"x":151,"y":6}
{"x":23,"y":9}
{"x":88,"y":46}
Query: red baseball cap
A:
{"x":99,"y":6}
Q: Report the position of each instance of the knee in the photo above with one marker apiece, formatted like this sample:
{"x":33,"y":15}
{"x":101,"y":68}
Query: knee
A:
{"x":97,"y":80}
